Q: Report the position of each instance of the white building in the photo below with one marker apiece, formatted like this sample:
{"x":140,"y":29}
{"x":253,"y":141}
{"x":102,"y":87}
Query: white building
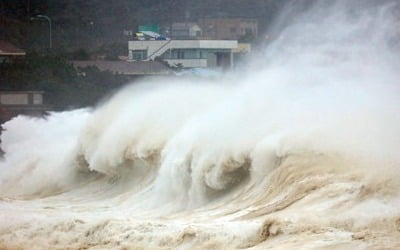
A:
{"x":187,"y":53}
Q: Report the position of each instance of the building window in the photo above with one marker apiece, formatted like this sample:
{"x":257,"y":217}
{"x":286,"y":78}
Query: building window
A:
{"x":181,"y":54}
{"x":139,"y":55}
{"x":233,"y":29}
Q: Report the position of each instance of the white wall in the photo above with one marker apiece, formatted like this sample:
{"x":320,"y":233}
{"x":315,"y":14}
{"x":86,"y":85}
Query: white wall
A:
{"x":154,"y":46}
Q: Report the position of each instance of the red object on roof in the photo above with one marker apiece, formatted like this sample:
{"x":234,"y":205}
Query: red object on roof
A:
{"x":8,"y":49}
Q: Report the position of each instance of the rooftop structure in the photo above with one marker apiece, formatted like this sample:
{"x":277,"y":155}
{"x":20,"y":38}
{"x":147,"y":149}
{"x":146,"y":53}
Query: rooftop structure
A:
{"x":185,"y":30}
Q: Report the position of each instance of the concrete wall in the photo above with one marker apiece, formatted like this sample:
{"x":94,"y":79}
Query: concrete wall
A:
{"x":14,"y":99}
{"x":21,"y":98}
{"x":21,"y":102}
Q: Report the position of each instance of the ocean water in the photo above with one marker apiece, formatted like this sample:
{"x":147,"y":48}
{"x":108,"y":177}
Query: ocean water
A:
{"x":299,"y":149}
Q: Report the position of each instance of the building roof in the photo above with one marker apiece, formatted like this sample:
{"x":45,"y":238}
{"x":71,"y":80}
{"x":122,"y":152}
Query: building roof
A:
{"x":8,"y":49}
{"x":127,"y":67}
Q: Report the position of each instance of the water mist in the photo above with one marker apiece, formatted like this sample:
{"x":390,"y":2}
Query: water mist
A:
{"x":297,"y":150}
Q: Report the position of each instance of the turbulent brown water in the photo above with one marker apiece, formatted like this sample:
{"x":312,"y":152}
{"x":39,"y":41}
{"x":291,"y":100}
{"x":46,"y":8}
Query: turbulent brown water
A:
{"x":298,"y":151}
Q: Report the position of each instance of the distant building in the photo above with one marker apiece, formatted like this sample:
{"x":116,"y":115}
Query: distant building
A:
{"x":126,"y":68}
{"x":9,"y":52}
{"x":229,"y":28}
{"x":185,"y":30}
{"x":185,"y":53}
{"x":13,"y":103}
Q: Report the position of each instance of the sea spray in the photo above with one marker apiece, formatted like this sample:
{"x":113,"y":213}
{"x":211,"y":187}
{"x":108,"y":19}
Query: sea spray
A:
{"x":303,"y":143}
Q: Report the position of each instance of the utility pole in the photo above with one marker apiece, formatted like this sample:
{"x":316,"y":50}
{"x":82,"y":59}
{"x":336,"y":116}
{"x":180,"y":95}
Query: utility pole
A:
{"x":28,"y":8}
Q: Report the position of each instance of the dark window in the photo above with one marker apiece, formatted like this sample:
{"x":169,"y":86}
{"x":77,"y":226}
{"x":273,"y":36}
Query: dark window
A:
{"x":138,"y":55}
{"x":181,"y":54}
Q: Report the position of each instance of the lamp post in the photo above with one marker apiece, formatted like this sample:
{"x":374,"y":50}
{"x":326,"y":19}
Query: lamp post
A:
{"x":48,"y":20}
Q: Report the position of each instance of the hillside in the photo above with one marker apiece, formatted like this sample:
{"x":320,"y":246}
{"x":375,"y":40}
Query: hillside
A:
{"x":93,"y":23}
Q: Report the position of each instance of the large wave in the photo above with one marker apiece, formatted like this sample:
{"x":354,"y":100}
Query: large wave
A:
{"x":299,"y":150}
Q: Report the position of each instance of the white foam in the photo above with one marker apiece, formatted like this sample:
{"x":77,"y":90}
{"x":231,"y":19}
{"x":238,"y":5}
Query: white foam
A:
{"x":310,"y":130}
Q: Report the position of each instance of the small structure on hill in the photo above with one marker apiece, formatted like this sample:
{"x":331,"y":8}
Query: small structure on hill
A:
{"x":9,"y":52}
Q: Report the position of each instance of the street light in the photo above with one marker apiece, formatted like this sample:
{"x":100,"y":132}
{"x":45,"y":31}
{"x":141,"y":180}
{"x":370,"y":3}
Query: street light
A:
{"x":48,"y":20}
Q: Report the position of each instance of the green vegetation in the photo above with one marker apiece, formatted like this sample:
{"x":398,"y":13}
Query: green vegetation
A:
{"x":64,"y":87}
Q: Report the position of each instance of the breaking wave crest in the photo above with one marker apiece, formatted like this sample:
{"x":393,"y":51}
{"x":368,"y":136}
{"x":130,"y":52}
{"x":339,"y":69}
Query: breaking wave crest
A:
{"x":303,"y":145}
